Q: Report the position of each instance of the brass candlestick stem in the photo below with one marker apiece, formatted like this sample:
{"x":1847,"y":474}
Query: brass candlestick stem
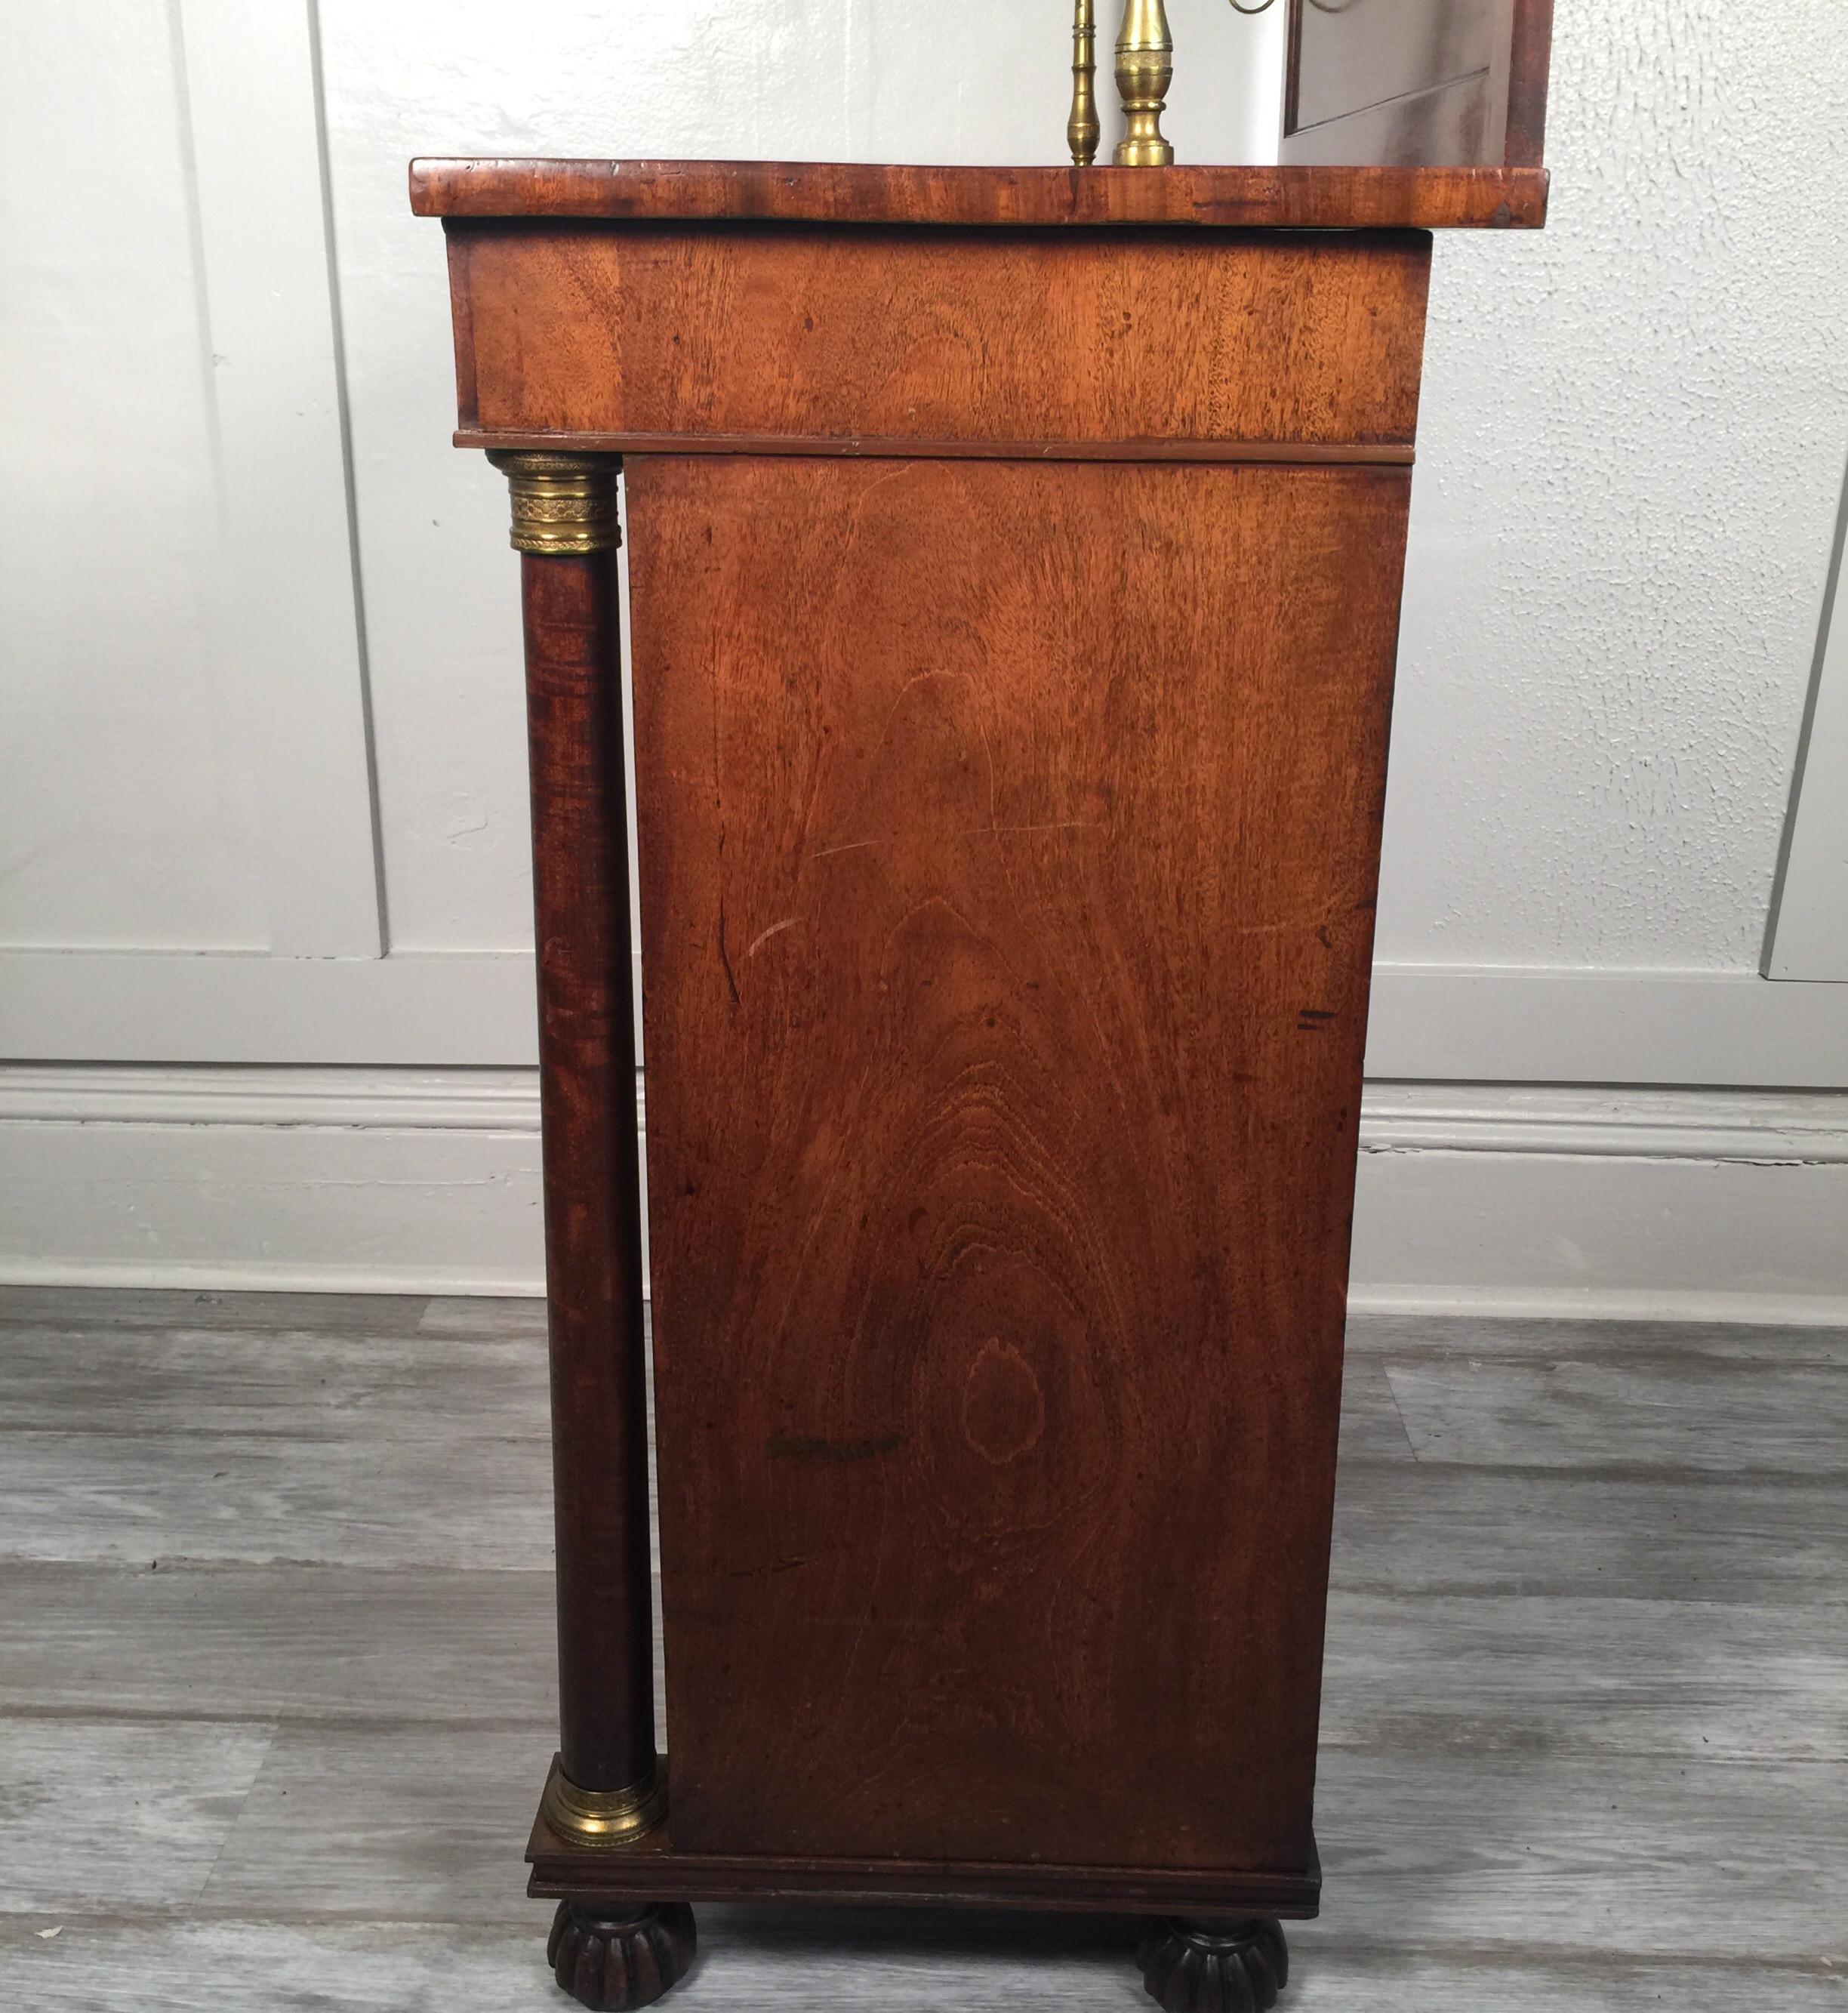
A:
{"x":1082,"y":131}
{"x":1145,"y":67}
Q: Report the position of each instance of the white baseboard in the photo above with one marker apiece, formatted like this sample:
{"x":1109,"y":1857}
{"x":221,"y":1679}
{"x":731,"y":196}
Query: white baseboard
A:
{"x":271,"y":1179}
{"x":1498,"y":1198}
{"x":1668,"y":1204}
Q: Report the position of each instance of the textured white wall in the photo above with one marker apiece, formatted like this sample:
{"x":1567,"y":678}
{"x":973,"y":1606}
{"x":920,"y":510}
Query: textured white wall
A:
{"x":1629,"y":461}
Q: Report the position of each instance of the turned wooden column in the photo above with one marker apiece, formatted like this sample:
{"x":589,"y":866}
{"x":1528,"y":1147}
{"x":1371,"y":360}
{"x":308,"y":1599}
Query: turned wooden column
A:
{"x":606,"y":1787}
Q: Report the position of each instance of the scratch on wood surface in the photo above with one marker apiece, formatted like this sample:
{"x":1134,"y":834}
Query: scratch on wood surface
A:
{"x":974,"y":831}
{"x":1064,"y":824}
{"x":763,"y":936}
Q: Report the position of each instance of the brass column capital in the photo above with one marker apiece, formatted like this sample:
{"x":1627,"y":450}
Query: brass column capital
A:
{"x":564,"y":504}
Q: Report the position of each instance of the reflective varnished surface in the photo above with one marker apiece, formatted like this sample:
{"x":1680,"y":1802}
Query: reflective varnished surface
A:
{"x":836,"y":192}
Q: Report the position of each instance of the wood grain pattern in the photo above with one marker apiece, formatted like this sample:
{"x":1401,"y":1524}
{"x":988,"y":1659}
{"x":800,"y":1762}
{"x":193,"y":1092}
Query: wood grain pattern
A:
{"x":1685,"y":1536}
{"x":1475,"y":1338}
{"x":306,"y":1383}
{"x":1624,"y":1837}
{"x":1582,"y":1674}
{"x":840,"y":1960}
{"x":1318,"y":198}
{"x":593,"y":1202}
{"x":881,"y":447}
{"x":493,"y":1320}
{"x":1569,"y":1852}
{"x":1010,"y":807}
{"x":135,"y":1499}
{"x":1003,"y":340}
{"x":1560,"y":1852}
{"x":71,"y":1837}
{"x":385,"y":1820}
{"x":307,"y":1641}
{"x":1007,"y":898}
{"x":1616,"y":1416}
{"x":80,"y":1311}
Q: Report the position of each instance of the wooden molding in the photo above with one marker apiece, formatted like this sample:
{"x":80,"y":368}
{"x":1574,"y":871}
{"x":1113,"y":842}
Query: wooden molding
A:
{"x":1384,"y":454}
{"x":835,"y":192}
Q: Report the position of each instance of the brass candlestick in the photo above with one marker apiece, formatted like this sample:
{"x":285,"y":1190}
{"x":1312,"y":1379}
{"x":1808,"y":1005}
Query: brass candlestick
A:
{"x":1145,"y":67}
{"x":1082,"y":131}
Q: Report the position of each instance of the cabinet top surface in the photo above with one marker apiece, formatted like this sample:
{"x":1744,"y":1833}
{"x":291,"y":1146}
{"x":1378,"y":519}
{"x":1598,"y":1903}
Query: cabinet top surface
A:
{"x":851,"y":193}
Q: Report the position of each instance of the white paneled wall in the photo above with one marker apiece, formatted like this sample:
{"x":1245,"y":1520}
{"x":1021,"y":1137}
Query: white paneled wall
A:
{"x":265,"y":980}
{"x":778,"y":79}
{"x":127,"y":812}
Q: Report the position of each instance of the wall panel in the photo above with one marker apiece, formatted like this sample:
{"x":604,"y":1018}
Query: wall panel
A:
{"x":1630,"y":463}
{"x":127,"y":814}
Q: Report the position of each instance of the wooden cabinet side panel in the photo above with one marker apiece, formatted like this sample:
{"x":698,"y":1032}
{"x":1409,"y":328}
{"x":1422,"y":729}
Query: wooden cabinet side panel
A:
{"x":1009,"y":839}
{"x":807,"y":333}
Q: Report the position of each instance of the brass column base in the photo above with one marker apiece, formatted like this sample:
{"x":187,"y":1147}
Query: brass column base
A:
{"x":607,"y":1819}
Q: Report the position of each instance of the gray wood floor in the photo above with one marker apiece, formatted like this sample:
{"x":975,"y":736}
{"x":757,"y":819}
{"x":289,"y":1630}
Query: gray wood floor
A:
{"x":275,"y":1678}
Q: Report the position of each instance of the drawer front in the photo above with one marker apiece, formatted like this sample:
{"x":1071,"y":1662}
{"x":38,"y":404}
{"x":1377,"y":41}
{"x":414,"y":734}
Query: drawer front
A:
{"x":1204,"y":344}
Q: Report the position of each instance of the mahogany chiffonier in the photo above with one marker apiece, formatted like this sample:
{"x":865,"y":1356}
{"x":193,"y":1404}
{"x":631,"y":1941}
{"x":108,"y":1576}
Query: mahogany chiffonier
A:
{"x":1014,"y":561}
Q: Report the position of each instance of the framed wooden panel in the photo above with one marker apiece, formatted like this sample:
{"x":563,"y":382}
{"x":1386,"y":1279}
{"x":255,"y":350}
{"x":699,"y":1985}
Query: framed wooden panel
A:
{"x":1008,"y":836}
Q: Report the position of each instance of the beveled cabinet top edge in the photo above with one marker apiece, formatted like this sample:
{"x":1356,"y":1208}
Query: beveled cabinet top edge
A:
{"x":1385,"y":456}
{"x":864,"y":192}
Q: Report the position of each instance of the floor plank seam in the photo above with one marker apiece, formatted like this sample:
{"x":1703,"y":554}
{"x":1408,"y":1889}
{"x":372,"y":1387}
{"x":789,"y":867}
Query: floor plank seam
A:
{"x":1822,"y":1481}
{"x":1585,"y":1710}
{"x":538,"y":1724}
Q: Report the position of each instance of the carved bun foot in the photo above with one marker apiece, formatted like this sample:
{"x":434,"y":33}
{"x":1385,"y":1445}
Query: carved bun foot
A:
{"x":1213,"y":1967}
{"x":611,"y":1959}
